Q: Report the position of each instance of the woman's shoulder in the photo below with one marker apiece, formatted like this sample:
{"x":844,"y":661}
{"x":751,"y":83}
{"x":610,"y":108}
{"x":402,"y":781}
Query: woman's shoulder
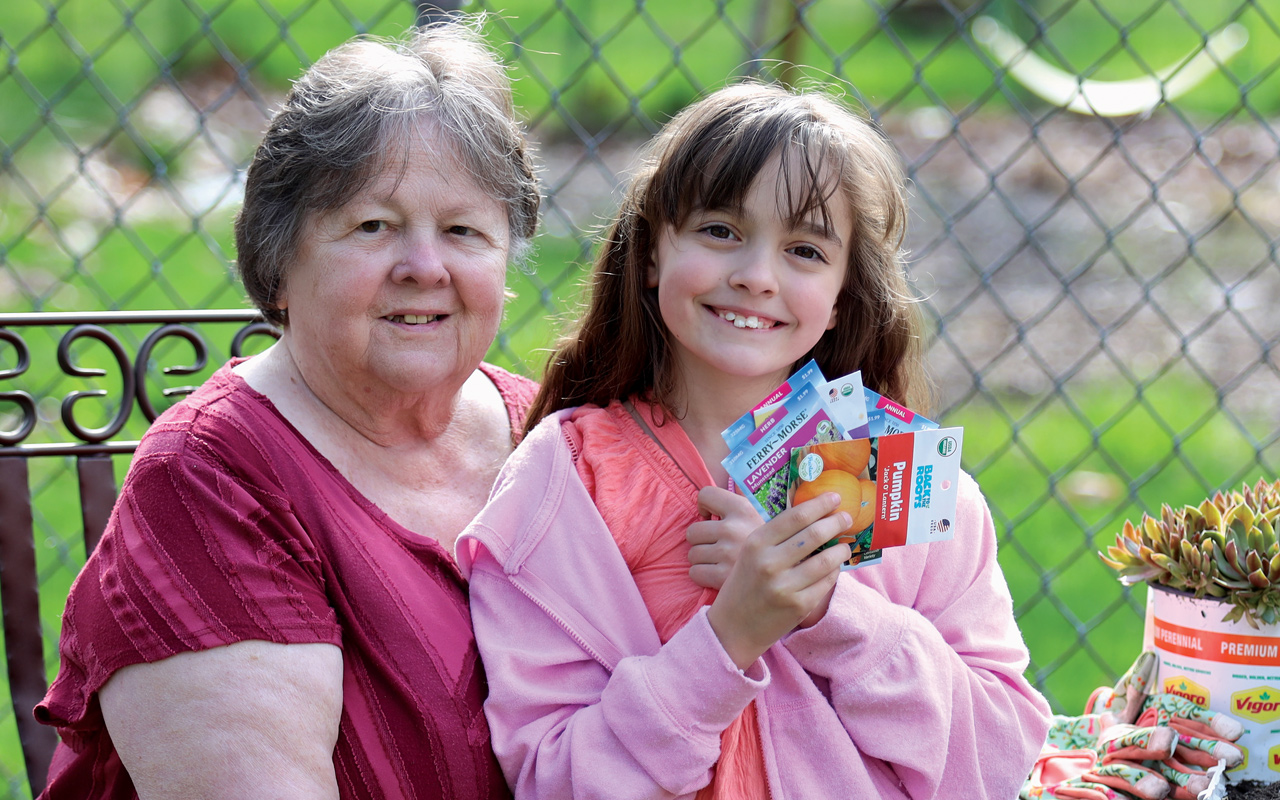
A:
{"x":517,"y":394}
{"x":224,"y":422}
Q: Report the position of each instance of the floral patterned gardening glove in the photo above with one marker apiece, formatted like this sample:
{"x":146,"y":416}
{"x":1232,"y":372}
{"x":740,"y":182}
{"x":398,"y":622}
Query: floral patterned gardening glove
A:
{"x":1075,"y":762}
{"x":1199,"y":738}
{"x":1129,"y":743}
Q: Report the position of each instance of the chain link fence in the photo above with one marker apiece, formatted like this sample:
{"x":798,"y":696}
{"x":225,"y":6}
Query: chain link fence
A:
{"x":1095,"y":208}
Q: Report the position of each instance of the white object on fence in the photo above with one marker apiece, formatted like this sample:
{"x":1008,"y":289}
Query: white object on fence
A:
{"x":1106,"y":98}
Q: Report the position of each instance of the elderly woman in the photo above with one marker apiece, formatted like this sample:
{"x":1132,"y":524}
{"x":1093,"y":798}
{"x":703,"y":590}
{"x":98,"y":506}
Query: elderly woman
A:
{"x":274,"y":610}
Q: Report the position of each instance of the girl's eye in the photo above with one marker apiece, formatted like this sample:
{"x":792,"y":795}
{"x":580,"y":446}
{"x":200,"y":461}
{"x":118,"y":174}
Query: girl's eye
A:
{"x":808,"y":253}
{"x":717,"y":231}
{"x":372,"y":226}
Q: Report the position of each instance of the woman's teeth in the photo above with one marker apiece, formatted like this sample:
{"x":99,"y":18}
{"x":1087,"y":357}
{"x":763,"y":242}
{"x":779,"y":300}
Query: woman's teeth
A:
{"x":740,"y":321}
{"x":413,"y":319}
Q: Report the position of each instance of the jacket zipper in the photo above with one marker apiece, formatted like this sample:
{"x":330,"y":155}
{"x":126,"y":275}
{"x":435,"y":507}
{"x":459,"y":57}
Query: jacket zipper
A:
{"x":591,"y":651}
{"x":768,"y":790}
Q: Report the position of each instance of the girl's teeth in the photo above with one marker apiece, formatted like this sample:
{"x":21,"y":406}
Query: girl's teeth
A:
{"x":740,"y":321}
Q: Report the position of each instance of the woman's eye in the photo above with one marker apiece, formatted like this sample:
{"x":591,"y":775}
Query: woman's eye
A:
{"x":372,"y":226}
{"x":461,"y":230}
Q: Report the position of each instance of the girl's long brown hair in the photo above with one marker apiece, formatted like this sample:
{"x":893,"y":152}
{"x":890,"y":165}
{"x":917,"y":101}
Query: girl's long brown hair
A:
{"x":707,"y":157}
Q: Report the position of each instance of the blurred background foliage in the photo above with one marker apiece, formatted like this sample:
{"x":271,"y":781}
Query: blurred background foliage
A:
{"x":1100,"y":289}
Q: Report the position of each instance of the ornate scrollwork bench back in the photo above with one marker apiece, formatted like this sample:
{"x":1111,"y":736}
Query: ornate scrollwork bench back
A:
{"x":91,"y":448}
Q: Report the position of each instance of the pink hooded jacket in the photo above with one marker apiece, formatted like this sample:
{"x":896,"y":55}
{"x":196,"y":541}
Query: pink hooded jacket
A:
{"x":910,"y":686}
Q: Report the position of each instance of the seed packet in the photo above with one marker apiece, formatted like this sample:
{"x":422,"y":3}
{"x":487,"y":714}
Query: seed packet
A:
{"x":846,"y":399}
{"x":899,"y":488}
{"x":885,"y":416}
{"x":738,"y":431}
{"x":759,"y":464}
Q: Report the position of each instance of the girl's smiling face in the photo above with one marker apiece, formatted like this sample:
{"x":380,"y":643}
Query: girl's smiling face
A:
{"x":745,"y":292}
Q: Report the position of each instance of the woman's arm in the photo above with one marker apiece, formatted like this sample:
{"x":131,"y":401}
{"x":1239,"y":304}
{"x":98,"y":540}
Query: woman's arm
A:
{"x":250,"y":719}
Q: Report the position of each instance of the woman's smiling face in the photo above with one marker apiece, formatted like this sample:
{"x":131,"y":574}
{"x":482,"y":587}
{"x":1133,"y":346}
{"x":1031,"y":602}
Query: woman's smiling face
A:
{"x":401,"y":288}
{"x":744,"y":292}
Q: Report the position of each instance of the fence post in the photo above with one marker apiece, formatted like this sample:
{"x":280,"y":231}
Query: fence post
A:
{"x":430,"y":11}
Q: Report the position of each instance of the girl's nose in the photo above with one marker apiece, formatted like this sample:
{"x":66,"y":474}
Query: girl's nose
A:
{"x":421,"y":261}
{"x":755,"y":272}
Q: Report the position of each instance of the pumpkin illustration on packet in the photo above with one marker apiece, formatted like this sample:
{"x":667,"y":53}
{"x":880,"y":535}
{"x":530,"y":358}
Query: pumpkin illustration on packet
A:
{"x":844,"y":468}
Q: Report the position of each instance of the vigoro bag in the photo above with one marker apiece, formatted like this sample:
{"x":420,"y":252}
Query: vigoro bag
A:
{"x":1223,"y":666}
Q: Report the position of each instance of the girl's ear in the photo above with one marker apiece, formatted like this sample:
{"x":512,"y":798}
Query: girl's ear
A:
{"x":831,"y":323}
{"x":651,"y":273}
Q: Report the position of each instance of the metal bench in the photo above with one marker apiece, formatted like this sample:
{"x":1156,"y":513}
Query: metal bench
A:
{"x":92,"y":450}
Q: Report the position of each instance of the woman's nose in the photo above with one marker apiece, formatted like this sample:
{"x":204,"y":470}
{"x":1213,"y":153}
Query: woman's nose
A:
{"x":755,"y":272}
{"x":421,"y":261}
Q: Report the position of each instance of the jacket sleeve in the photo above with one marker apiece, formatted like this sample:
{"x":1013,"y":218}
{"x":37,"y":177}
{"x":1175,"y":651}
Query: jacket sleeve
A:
{"x":563,"y":725}
{"x":925,"y":665}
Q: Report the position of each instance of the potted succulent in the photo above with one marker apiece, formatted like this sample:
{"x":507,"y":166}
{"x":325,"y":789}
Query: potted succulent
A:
{"x":1213,"y":612}
{"x":1224,"y":548}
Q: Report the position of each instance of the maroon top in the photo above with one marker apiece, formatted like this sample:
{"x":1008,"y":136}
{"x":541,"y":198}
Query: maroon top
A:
{"x":229,"y":527}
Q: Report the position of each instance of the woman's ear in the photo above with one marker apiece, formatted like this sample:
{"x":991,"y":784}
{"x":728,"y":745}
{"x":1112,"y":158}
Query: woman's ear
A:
{"x":279,"y":297}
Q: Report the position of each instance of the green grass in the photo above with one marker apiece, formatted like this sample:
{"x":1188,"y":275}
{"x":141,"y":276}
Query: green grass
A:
{"x":1166,"y":447}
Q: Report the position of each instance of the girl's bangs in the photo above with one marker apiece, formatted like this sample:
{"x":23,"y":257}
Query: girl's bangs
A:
{"x":720,"y":173}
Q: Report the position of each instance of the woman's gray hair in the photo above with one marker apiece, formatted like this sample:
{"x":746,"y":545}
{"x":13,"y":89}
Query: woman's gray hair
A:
{"x":347,"y":117}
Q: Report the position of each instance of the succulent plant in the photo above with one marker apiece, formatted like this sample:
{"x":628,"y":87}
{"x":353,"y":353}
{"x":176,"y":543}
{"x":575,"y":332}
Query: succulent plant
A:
{"x":1226,"y":547}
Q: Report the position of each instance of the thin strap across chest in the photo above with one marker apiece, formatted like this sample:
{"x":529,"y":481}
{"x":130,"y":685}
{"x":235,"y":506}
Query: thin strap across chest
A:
{"x":644,"y":426}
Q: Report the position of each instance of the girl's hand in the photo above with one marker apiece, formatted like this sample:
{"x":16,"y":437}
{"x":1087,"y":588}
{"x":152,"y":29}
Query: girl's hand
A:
{"x":718,"y":542}
{"x":775,"y":585}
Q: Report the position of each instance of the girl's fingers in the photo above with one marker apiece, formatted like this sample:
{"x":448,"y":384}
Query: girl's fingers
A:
{"x":704,"y":532}
{"x":809,"y":539}
{"x":810,"y":575}
{"x":703,"y":554}
{"x":816,"y":578}
{"x":796,"y":519}
{"x":709,"y":576}
{"x":714,"y":501}
{"x":823,"y":566}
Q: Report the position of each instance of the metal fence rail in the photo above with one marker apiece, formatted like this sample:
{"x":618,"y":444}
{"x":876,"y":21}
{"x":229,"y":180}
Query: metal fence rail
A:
{"x":1095,"y":208}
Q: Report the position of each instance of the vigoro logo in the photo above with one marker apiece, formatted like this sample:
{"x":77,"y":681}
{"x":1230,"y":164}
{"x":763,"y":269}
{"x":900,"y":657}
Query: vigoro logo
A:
{"x":1185,"y":687}
{"x":1273,"y":759}
{"x":1260,"y":704}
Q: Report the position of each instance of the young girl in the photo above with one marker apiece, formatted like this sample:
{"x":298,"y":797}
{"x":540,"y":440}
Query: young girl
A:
{"x":644,"y":634}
